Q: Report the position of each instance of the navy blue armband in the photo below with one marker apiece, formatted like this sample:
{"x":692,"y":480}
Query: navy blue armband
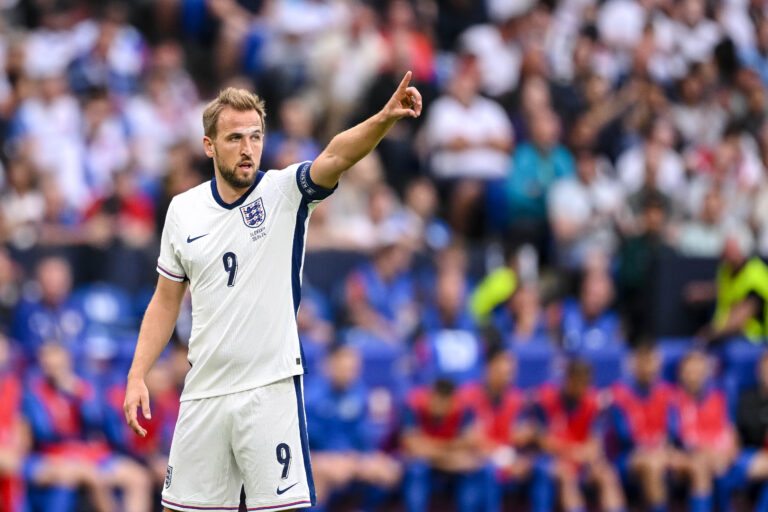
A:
{"x":308,"y":188}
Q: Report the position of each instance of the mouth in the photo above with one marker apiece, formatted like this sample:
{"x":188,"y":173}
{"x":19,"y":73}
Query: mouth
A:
{"x":246,"y":166}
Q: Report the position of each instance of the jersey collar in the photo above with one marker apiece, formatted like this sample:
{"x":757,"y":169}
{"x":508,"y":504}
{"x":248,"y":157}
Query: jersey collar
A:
{"x":240,"y":200}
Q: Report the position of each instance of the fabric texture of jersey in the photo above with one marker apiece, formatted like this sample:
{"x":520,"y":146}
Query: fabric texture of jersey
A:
{"x":243,"y":261}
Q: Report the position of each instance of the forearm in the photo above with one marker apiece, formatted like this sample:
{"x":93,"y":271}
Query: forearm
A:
{"x":156,"y":330}
{"x":349,"y":147}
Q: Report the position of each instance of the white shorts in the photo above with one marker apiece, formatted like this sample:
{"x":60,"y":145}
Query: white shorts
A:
{"x":256,"y":439}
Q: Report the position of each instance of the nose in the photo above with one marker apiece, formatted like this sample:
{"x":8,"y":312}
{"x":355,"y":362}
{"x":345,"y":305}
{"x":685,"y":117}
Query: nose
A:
{"x":245,"y":147}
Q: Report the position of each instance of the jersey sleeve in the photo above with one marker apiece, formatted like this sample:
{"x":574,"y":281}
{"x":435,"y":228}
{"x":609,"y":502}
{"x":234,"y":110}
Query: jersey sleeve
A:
{"x":168,"y":264}
{"x":295,"y":182}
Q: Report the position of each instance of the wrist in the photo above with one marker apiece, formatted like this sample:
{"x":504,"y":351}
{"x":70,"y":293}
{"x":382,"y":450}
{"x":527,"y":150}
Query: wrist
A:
{"x":134,"y":375}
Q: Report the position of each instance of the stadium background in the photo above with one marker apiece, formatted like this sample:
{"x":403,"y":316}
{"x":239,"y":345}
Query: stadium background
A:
{"x":581,"y":169}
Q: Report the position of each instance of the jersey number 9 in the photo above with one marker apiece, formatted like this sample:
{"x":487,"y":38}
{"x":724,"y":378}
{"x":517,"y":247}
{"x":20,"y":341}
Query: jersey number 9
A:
{"x":230,"y":265}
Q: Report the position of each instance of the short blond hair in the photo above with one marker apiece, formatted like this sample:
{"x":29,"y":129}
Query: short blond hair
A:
{"x":238,"y":99}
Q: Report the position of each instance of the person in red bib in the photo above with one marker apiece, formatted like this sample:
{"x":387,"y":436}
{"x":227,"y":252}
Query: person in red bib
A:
{"x":702,"y":429}
{"x":64,"y":414}
{"x":500,"y":411}
{"x":441,"y":444}
{"x":14,"y":435}
{"x":639,"y":418}
{"x":570,"y":434}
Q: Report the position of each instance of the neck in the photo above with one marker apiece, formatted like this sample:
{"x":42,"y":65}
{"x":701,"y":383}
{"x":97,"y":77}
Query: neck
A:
{"x":227,"y":192}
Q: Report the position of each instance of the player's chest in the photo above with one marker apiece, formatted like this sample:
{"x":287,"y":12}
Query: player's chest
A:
{"x":233,"y":237}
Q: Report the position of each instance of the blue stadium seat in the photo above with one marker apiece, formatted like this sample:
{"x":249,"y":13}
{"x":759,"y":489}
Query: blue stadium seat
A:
{"x":383,"y":362}
{"x":671,"y":351}
{"x":739,"y":359}
{"x":105,"y":305}
{"x":607,"y":363}
{"x":535,"y":361}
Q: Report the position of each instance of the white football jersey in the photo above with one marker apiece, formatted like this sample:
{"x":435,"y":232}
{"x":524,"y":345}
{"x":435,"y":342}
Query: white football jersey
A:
{"x":243,"y":261}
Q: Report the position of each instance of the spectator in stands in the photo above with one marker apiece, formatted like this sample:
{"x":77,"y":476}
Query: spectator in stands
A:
{"x":120,"y":225}
{"x":637,"y":258}
{"x":14,"y":435}
{"x":344,"y":449}
{"x":702,"y":429}
{"x":151,"y":450}
{"x":756,"y":57}
{"x":114,"y":57}
{"x":23,"y":206}
{"x":50,"y":136}
{"x":294,"y":141}
{"x":506,"y":431}
{"x":106,"y":148}
{"x":752,"y":423}
{"x":469,"y":138}
{"x":704,"y":236}
{"x":590,"y":323}
{"x":654,"y":163}
{"x":698,"y":118}
{"x":379,"y":296}
{"x":440,"y":443}
{"x":449,"y":346}
{"x":522,"y":316}
{"x":639,"y":418}
{"x":425,"y":229}
{"x":65,"y":414}
{"x":742,"y":293}
{"x":569,"y":433}
{"x":583,"y":211}
{"x":49,"y":313}
{"x":536,"y":165}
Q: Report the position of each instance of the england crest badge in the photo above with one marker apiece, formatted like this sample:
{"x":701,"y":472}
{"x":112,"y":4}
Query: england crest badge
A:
{"x":168,"y":476}
{"x":253,"y":213}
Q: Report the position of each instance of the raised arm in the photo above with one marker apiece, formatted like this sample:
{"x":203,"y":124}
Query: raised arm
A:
{"x":156,"y":330}
{"x":350,"y":146}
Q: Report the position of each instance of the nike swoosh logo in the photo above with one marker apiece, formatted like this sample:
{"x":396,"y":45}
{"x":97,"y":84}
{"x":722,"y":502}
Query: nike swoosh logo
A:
{"x":281,"y":491}
{"x":190,"y":240}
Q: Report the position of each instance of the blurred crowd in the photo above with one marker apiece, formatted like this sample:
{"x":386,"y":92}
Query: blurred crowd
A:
{"x":477,"y":311}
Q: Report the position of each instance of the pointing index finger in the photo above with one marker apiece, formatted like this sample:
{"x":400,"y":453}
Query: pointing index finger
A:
{"x":404,"y":82}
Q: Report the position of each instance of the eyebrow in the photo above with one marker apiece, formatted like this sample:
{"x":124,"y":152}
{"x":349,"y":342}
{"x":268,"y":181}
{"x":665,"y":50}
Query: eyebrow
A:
{"x":255,"y":130}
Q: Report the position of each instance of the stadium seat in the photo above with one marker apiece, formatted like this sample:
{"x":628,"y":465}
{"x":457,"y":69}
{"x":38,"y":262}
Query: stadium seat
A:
{"x":535,"y":362}
{"x":105,"y":305}
{"x":739,"y":359}
{"x":671,"y":351}
{"x":607,"y":364}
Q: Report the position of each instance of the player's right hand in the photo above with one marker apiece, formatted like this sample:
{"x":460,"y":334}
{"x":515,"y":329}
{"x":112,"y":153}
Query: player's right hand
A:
{"x":136,"y":394}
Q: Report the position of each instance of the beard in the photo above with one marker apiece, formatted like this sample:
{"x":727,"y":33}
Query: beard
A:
{"x":229,"y":174}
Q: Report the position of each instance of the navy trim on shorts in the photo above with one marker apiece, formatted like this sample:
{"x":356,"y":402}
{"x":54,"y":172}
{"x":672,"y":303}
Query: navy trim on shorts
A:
{"x":304,"y":439}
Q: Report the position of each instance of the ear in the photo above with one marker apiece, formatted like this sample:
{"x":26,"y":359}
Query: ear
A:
{"x":208,"y":146}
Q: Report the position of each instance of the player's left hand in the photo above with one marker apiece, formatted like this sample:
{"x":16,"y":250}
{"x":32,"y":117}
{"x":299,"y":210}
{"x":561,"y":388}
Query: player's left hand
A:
{"x":405,"y":102}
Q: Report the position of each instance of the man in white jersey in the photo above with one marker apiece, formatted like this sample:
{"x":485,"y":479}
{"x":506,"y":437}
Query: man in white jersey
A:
{"x":238,"y":241}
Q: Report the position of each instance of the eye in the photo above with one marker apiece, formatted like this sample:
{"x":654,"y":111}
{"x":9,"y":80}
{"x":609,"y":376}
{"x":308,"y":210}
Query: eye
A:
{"x":256,"y":136}
{"x":234,"y":137}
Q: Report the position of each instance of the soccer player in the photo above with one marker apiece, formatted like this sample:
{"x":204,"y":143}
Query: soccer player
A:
{"x":701,"y":426}
{"x":505,"y":431}
{"x":441,"y":444}
{"x":640,"y":418}
{"x":570,"y":435}
{"x":238,"y":243}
